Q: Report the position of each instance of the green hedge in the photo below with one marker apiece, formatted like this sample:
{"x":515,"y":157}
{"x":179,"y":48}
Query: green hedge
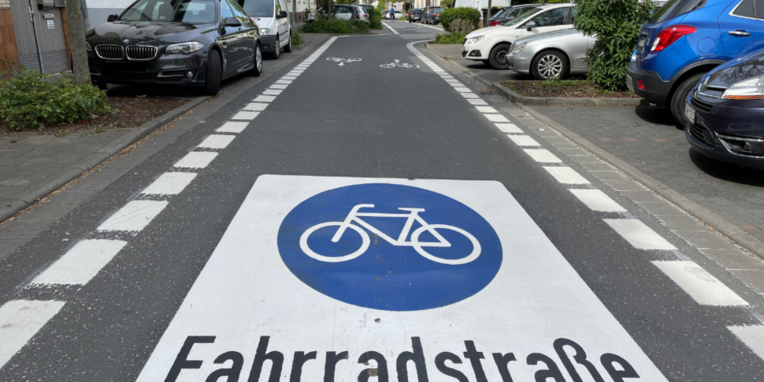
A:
{"x":375,"y":19}
{"x":30,"y":99}
{"x":336,"y":26}
{"x":450,"y":38}
{"x":470,"y":14}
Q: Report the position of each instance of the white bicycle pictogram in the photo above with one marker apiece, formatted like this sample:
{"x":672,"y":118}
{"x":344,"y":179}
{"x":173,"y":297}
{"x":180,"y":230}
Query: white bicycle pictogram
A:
{"x":354,"y":222}
{"x":397,"y":63}
{"x":341,"y":61}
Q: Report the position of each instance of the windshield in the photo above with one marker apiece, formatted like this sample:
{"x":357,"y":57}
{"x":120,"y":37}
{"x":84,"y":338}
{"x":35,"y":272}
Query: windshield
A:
{"x":437,"y":10}
{"x":522,"y":15}
{"x":185,"y":11}
{"x":501,"y":13}
{"x":258,"y":8}
{"x":674,"y":8}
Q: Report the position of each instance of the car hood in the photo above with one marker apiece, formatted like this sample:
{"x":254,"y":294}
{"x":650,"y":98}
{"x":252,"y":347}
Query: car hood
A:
{"x":493,"y":31}
{"x":264,"y":22}
{"x":146,"y":31}
{"x":737,"y":70}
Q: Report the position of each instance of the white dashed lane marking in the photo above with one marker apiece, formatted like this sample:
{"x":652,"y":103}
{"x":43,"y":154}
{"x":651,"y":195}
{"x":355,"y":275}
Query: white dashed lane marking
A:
{"x":254,"y":106}
{"x":272,"y":92}
{"x":597,"y":200}
{"x":496,"y":118}
{"x":246,"y":115}
{"x":751,"y":336}
{"x":234,"y":127}
{"x":509,"y":128}
{"x":542,"y":155}
{"x":264,"y":98}
{"x":20,"y":320}
{"x":170,"y":183}
{"x":134,"y":216}
{"x":196,"y":160}
{"x":469,"y":95}
{"x":703,"y":287}
{"x":486,"y":109}
{"x":524,"y":141}
{"x":639,"y":235}
{"x":81,"y":263}
{"x":217,"y":142}
{"x":566,"y":175}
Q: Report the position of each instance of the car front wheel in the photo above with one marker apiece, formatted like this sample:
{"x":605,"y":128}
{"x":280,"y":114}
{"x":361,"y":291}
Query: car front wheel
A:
{"x":498,"y":57}
{"x":214,"y":74}
{"x":680,"y":98}
{"x":276,"y":49}
{"x":549,"y":64}
{"x":257,"y":69}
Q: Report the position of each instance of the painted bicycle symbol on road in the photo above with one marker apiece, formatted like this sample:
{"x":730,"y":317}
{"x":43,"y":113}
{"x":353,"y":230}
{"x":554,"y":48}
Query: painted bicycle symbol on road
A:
{"x":355,"y":223}
{"x":398,"y":64}
{"x":341,"y":61}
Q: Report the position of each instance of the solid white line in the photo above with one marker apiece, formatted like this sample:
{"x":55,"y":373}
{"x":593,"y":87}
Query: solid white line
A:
{"x":245,"y":115}
{"x":81,"y":263}
{"x":134,"y":216}
{"x":272,"y":92}
{"x":703,"y":287}
{"x":751,"y":336}
{"x":196,"y":160}
{"x":277,"y":87}
{"x":254,"y":106}
{"x":496,"y":117}
{"x":486,"y":109}
{"x":638,"y":234}
{"x":477,"y":102}
{"x":390,"y":28}
{"x":264,"y":98}
{"x":523,"y":140}
{"x":233,"y":127}
{"x":566,"y":175}
{"x":509,"y":128}
{"x":597,"y":200}
{"x":541,"y":155}
{"x":170,"y":183}
{"x":217,"y":142}
{"x":20,"y":320}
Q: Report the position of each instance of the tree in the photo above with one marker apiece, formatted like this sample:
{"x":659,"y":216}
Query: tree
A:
{"x":77,"y":42}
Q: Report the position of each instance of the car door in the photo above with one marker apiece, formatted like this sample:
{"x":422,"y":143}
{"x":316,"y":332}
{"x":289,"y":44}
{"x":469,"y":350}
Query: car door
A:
{"x":282,"y":24}
{"x":230,"y":42}
{"x":343,"y":13}
{"x":550,"y":20}
{"x":246,"y":35}
{"x":742,"y":27}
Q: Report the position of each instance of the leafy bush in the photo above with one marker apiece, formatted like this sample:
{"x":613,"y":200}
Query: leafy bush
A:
{"x":471,"y":15}
{"x":31,"y":99}
{"x":616,"y":24}
{"x":336,"y":26}
{"x":461,"y":26}
{"x":296,"y":38}
{"x":450,"y":38}
{"x":375,"y":19}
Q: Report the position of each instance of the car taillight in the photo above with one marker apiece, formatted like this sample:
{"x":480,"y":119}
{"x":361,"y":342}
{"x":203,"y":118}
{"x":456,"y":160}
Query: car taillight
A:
{"x":641,"y":84}
{"x":493,"y":23}
{"x":359,"y":16}
{"x":437,"y":15}
{"x":669,"y":35}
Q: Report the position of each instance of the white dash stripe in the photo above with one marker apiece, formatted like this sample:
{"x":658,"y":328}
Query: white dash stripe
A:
{"x":277,"y":87}
{"x":638,"y":234}
{"x":509,"y":128}
{"x":751,"y":336}
{"x":134,"y":216}
{"x":597,"y":200}
{"x":469,"y":95}
{"x":566,"y":175}
{"x":496,"y":117}
{"x":81,"y":263}
{"x":233,"y":127}
{"x":486,"y":109}
{"x":272,"y":92}
{"x":20,"y":320}
{"x":246,"y":115}
{"x":170,"y":183}
{"x":196,"y":160}
{"x":264,"y":98}
{"x":256,"y":106}
{"x":217,"y":142}
{"x":523,"y":140}
{"x":285,"y":82}
{"x":462,"y":89}
{"x":702,"y":286}
{"x":542,"y":155}
{"x":477,"y":102}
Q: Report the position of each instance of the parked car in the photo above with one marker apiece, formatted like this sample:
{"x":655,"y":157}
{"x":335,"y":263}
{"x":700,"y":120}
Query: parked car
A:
{"x":508,"y":14}
{"x":360,"y":13}
{"x":272,"y":19}
{"x":725,"y":112}
{"x":182,"y":42}
{"x":368,"y":8}
{"x":551,"y":54}
{"x":680,"y":45}
{"x":492,"y":45}
{"x":415,"y":15}
{"x":431,"y":15}
{"x":342,"y":12}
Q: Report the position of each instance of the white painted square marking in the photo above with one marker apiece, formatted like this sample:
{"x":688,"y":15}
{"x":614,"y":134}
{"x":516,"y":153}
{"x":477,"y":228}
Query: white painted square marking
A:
{"x":285,"y":82}
{"x":638,"y":234}
{"x":486,"y":109}
{"x":542,"y":156}
{"x":170,"y":183}
{"x":256,"y":106}
{"x":462,"y":89}
{"x":272,"y":92}
{"x":752,"y":336}
{"x":566,"y":175}
{"x":245,"y":115}
{"x":217,"y":142}
{"x":597,"y":200}
{"x":261,"y":290}
{"x":233,"y":127}
{"x":278,"y":87}
{"x":134,"y":216}
{"x":496,"y":117}
{"x":196,"y":160}
{"x":289,"y":77}
{"x":509,"y":128}
{"x":20,"y":320}
{"x":477,"y":102}
{"x":523,"y":140}
{"x":81,"y":263}
{"x":469,"y":95}
{"x":703,"y":287}
{"x":264,"y":98}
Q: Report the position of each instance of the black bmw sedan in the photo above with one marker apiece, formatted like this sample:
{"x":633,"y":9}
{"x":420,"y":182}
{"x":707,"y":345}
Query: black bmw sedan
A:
{"x":188,"y":42}
{"x":726,"y":112}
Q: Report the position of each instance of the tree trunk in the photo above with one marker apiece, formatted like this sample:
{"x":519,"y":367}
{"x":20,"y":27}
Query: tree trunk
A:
{"x":329,"y":9}
{"x":77,"y":42}
{"x":488,"y":14}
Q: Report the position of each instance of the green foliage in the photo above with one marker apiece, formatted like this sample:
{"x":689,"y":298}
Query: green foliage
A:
{"x":450,"y":38}
{"x":296,"y":38}
{"x":336,"y":26}
{"x":375,"y":19}
{"x":446,"y":3}
{"x":30,"y":99}
{"x":616,"y":24}
{"x":471,"y":15}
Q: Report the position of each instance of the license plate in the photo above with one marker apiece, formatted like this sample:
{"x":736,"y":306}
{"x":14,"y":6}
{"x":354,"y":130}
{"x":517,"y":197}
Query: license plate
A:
{"x":629,"y":83}
{"x":689,"y":112}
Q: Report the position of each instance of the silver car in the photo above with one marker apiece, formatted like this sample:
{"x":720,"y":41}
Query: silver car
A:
{"x":551,"y":54}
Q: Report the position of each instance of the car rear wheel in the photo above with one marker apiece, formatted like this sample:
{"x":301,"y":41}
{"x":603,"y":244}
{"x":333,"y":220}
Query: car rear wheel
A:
{"x":679,"y":98}
{"x":498,"y":57}
{"x":258,"y":68}
{"x":214,"y":74}
{"x":288,"y":48}
{"x":549,"y":64}
{"x":276,"y":49}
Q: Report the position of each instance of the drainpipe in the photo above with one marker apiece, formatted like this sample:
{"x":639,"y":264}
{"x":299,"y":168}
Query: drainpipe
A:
{"x":36,"y":38}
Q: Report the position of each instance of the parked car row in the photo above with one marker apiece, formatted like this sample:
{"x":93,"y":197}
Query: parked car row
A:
{"x":426,"y":15}
{"x":343,"y":12}
{"x":196,"y":43}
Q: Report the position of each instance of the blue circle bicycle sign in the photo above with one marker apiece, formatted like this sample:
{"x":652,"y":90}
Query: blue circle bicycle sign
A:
{"x":389,"y":247}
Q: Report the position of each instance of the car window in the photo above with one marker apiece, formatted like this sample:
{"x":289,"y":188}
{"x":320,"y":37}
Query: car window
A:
{"x":188,"y":11}
{"x":573,"y":14}
{"x":343,"y":10}
{"x":522,"y":16}
{"x":674,"y":8}
{"x":278,"y":7}
{"x":549,"y":18}
{"x":238,"y":12}
{"x":257,"y":8}
{"x":225,"y":10}
{"x":750,"y":8}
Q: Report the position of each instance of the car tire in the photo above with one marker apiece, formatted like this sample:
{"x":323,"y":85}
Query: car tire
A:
{"x":549,"y":64}
{"x":276,"y":48}
{"x":257,"y":69}
{"x":498,"y":57}
{"x":288,"y":48}
{"x":214,"y":74}
{"x":679,"y":98}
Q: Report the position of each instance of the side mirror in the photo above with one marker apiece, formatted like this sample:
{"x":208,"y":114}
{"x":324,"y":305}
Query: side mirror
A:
{"x":112,"y":18}
{"x":231,"y":22}
{"x":282,"y":15}
{"x":530,"y":25}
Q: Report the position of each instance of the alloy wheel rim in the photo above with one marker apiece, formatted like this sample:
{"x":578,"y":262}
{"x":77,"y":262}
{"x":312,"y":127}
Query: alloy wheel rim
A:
{"x":259,"y":58}
{"x":501,"y":56}
{"x":550,"y":66}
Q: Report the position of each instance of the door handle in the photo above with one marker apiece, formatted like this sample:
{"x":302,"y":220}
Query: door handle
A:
{"x":739,"y":33}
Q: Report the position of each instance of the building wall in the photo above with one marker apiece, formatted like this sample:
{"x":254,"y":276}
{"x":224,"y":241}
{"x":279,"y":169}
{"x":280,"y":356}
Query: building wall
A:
{"x":9,"y":54}
{"x":52,"y":44}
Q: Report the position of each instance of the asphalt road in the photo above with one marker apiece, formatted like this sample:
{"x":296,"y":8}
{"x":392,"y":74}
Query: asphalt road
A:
{"x":208,"y":266}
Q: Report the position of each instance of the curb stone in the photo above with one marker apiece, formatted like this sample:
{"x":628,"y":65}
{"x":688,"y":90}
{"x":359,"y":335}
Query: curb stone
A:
{"x":16,"y":204}
{"x":591,"y":101}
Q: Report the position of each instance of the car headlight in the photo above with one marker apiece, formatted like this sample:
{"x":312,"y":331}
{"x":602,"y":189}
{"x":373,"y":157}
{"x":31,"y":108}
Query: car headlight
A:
{"x":265,"y":31}
{"x":519,"y":48}
{"x":184,"y":48}
{"x":88,"y":47}
{"x":474,"y":40}
{"x":749,"y":89}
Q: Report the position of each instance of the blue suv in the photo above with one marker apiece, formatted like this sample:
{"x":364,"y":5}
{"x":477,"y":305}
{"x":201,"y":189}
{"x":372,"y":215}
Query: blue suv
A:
{"x":687,"y":39}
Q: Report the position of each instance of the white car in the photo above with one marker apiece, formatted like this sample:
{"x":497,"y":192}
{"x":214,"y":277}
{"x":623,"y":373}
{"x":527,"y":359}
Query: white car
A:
{"x":273,"y":20}
{"x":398,"y":15}
{"x":491,"y":45}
